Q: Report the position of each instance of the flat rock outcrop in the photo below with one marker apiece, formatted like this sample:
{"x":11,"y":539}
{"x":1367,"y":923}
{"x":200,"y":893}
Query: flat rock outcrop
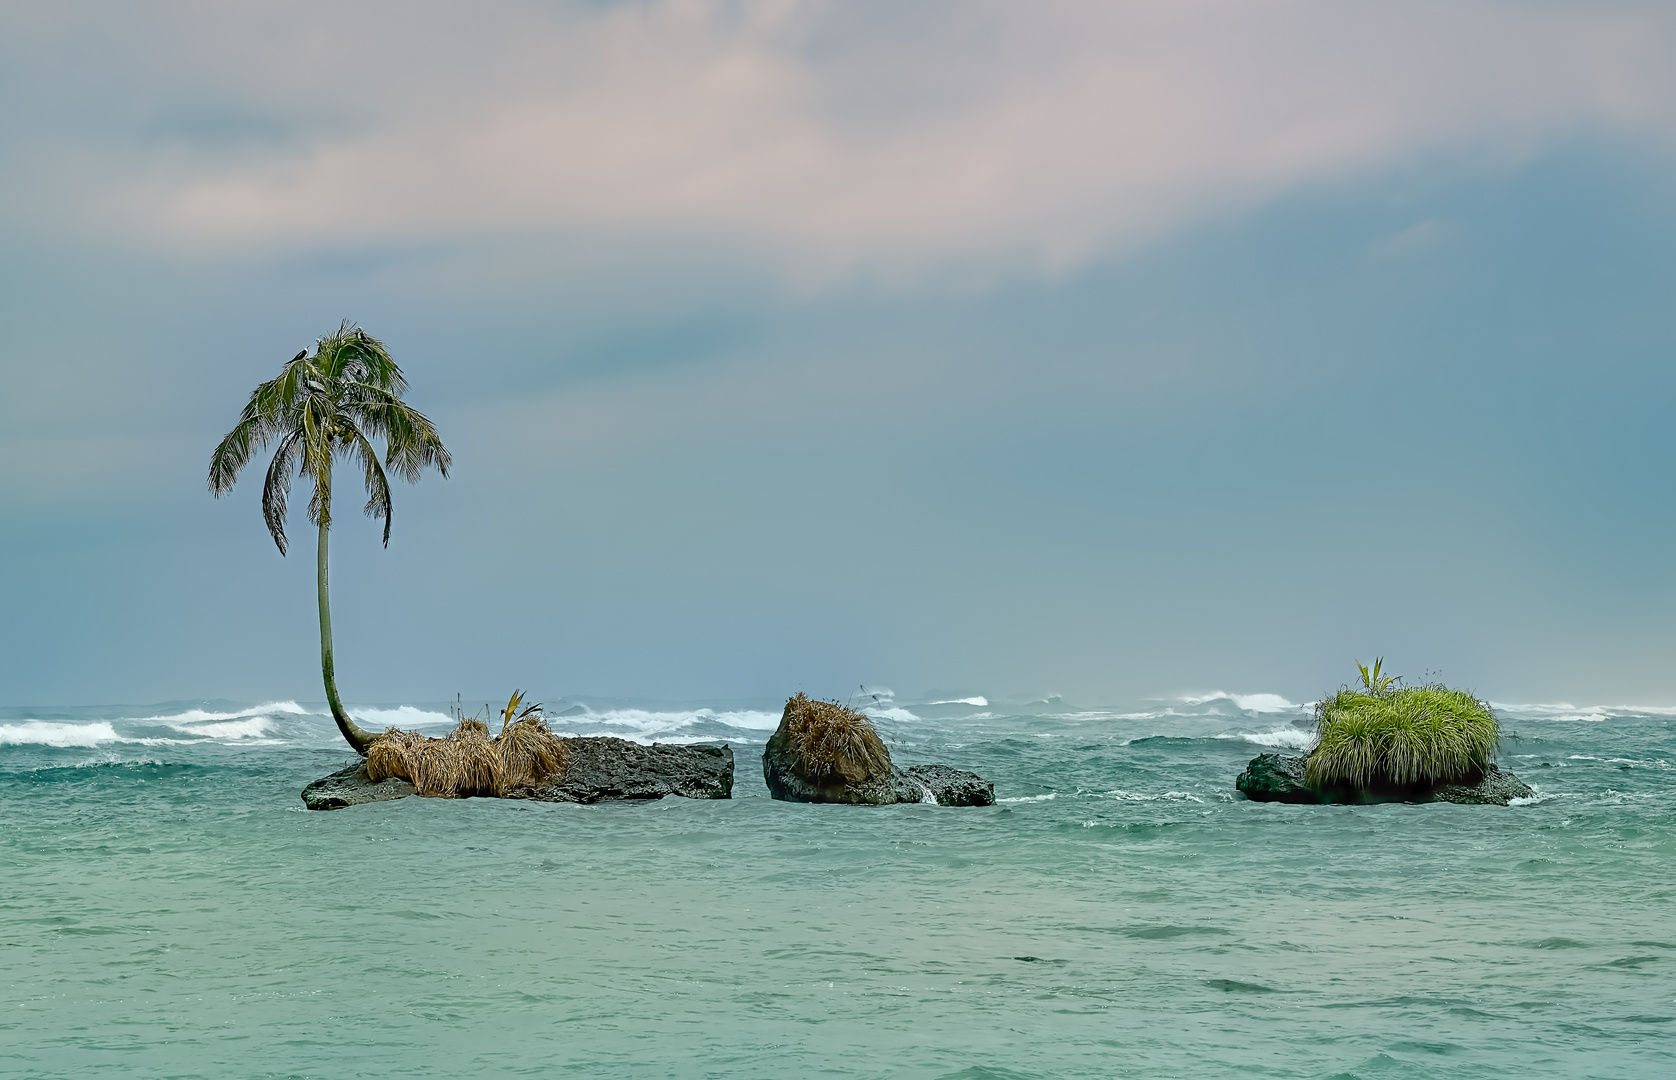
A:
{"x":351,"y":786}
{"x":1280,"y":778}
{"x":597,"y":769}
{"x":604,"y":769}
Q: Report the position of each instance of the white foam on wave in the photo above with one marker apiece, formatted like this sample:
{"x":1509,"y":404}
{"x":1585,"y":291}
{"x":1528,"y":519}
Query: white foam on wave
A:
{"x":1558,"y":711}
{"x":977,"y":699}
{"x":253,"y":728}
{"x":646,"y":720}
{"x":1290,"y":737}
{"x":1135,"y":796}
{"x":1258,"y":703}
{"x":201,"y":716}
{"x":1565,"y":711}
{"x":1030,"y":798}
{"x":53,"y":733}
{"x":403,"y":716}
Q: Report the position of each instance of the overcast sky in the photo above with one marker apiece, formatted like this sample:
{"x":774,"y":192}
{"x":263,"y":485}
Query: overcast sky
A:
{"x":1109,"y":349}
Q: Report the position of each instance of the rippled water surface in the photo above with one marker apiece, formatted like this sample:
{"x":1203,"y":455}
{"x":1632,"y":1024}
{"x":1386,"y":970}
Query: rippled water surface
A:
{"x":168,"y":909}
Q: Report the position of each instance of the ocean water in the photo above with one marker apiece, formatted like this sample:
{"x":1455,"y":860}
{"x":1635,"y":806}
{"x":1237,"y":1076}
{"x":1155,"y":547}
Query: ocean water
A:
{"x":168,"y":909}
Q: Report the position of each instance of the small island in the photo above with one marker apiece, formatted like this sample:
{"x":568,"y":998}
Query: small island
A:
{"x":525,"y":761}
{"x":824,"y":752}
{"x":1385,"y":742}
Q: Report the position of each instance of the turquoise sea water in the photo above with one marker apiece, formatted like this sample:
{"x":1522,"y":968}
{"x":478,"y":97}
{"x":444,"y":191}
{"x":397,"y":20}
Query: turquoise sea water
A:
{"x":168,"y":909}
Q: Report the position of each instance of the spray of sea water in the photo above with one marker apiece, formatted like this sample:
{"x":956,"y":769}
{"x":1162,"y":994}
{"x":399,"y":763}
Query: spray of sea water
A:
{"x":168,"y":909}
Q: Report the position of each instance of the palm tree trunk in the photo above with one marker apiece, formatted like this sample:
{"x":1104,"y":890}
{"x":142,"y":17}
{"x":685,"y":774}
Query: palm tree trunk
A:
{"x":358,"y":737}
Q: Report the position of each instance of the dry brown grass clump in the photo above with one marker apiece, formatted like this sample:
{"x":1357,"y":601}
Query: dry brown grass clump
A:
{"x":828,"y":742}
{"x":467,"y":761}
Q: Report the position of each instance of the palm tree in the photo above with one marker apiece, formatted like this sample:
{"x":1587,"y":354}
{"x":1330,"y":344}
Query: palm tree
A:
{"x":319,"y":409}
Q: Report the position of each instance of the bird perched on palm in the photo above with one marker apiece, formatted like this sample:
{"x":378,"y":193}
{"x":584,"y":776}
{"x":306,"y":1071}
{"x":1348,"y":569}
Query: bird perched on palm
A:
{"x":321,"y":408}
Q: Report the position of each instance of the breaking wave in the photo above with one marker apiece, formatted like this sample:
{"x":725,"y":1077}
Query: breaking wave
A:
{"x":1289,"y":737}
{"x":1258,"y":703}
{"x":51,"y":733}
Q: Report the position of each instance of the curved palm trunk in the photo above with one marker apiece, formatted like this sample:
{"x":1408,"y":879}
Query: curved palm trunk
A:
{"x":358,"y":737}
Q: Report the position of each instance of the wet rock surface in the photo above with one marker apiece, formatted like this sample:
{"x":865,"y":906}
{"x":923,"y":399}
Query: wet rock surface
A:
{"x":954,"y":787}
{"x":1497,"y":788}
{"x":350,"y":786}
{"x":598,"y":769}
{"x":1280,"y":778}
{"x":1276,"y":778}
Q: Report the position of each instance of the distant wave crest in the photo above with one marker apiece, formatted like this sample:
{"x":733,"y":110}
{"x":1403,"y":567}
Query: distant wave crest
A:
{"x":1258,"y":703}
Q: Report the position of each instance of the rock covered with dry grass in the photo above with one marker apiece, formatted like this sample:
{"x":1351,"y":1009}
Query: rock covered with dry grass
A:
{"x":824,"y":752}
{"x":468,"y":761}
{"x":828,"y":743}
{"x":594,"y":769}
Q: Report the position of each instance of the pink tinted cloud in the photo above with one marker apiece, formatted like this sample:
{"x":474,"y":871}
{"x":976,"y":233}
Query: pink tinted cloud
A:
{"x":824,"y":135}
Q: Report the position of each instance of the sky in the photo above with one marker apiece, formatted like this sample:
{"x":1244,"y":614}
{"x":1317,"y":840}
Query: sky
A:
{"x":1114,"y":350}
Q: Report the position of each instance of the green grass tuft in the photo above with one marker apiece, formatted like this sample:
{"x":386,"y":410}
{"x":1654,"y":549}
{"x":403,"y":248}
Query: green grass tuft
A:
{"x":1415,"y":736}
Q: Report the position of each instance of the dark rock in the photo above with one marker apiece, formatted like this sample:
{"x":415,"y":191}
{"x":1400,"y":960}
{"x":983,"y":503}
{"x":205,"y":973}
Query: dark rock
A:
{"x":922,"y":783}
{"x":1280,"y":778}
{"x":953,"y":787}
{"x":1276,"y":778}
{"x":1497,"y":788}
{"x":787,"y":784}
{"x":599,"y":769}
{"x":350,"y":786}
{"x":604,"y":769}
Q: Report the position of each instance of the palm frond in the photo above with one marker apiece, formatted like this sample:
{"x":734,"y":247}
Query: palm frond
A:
{"x":378,"y":486}
{"x":318,"y":452}
{"x":263,"y":418}
{"x":233,"y":453}
{"x":325,"y":405}
{"x":410,"y":439}
{"x":353,"y":355}
{"x":276,"y":489}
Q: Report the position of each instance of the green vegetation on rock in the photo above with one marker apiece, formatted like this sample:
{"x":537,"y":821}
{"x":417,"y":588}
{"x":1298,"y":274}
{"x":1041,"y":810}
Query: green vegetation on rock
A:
{"x":1400,"y":737}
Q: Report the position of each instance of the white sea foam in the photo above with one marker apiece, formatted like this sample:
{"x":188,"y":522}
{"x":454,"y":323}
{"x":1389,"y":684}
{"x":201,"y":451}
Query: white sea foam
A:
{"x":977,"y":699}
{"x":1258,"y":703}
{"x":1135,"y":796}
{"x":1030,"y":798}
{"x":1565,"y":711}
{"x":403,"y":716}
{"x":1289,"y":737}
{"x":200,"y":716}
{"x":646,"y":720}
{"x":53,"y":733}
{"x":253,"y":728}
